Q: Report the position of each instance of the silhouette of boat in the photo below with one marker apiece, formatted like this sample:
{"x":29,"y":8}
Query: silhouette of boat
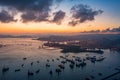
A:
{"x":5,"y":69}
{"x":16,"y":70}
{"x":30,"y":73}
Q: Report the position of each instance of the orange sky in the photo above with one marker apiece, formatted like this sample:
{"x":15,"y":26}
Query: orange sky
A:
{"x":44,"y":27}
{"x":108,"y":19}
{"x":100,"y":23}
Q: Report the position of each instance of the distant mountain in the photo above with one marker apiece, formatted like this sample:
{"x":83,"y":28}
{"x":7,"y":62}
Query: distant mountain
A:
{"x":11,"y":36}
{"x":81,"y":37}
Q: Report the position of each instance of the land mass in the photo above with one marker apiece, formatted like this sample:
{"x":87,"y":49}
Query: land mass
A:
{"x":89,"y":41}
{"x":66,"y":48}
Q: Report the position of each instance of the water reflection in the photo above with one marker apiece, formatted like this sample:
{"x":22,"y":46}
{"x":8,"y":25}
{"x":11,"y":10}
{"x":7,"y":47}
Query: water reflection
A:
{"x":21,"y":59}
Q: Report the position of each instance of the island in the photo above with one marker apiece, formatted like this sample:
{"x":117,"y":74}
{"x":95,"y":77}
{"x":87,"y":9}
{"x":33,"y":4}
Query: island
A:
{"x":66,"y":47}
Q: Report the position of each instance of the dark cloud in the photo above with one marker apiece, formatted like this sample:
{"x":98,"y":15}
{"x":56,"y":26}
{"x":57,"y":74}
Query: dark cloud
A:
{"x":73,"y":23}
{"x":34,"y":16}
{"x":32,"y":10}
{"x":5,"y":17}
{"x":92,"y":31}
{"x":26,"y":17}
{"x":107,"y":30}
{"x":34,"y":5}
{"x":38,"y":10}
{"x":58,"y":17}
{"x":82,"y":13}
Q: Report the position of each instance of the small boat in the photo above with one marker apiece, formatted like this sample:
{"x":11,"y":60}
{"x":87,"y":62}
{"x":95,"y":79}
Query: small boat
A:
{"x":93,"y":59}
{"x":47,"y":65}
{"x":30,"y":73}
{"x":71,"y":61}
{"x":37,"y":71}
{"x":66,"y":56}
{"x":87,"y":58}
{"x":63,"y":62}
{"x":73,"y":56}
{"x":78,"y":64}
{"x":58,"y":70}
{"x":100,"y":59}
{"x":61,"y":66}
{"x":16,"y":70}
{"x":71,"y":66}
{"x":62,"y":57}
{"x":52,"y":60}
{"x":83,"y":64}
{"x":24,"y":58}
{"x":57,"y":59}
{"x":31,"y":63}
{"x":48,"y":60}
{"x":22,"y":65}
{"x":78,"y":59}
{"x":5,"y":69}
{"x":38,"y":62}
{"x":50,"y":72}
{"x":100,"y":74}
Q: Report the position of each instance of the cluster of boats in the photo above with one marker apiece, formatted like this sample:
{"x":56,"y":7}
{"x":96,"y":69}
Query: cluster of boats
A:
{"x":73,"y":61}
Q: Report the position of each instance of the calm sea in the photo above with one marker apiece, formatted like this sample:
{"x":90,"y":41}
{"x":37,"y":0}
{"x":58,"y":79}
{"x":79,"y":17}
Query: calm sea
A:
{"x":15,"y":49}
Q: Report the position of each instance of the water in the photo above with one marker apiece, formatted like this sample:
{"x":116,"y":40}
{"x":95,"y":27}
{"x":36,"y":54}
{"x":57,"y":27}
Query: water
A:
{"x":16,"y":49}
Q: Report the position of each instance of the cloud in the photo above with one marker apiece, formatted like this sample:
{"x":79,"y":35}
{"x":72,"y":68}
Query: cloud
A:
{"x":34,"y":5}
{"x":92,"y":31}
{"x":58,"y":17}
{"x":82,"y":13}
{"x":73,"y":23}
{"x":39,"y":10}
{"x":5,"y":17}
{"x":32,"y":10}
{"x":107,"y":30}
{"x":34,"y":16}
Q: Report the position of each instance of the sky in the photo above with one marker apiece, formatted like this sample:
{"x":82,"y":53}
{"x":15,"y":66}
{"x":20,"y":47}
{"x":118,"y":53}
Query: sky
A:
{"x":59,"y":16}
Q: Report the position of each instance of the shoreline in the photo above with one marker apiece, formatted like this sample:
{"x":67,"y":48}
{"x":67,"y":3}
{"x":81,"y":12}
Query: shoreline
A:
{"x":66,"y":48}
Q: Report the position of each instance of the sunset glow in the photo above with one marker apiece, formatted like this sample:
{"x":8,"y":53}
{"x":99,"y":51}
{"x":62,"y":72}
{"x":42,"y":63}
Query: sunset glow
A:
{"x":58,"y":22}
{"x":59,"y":39}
